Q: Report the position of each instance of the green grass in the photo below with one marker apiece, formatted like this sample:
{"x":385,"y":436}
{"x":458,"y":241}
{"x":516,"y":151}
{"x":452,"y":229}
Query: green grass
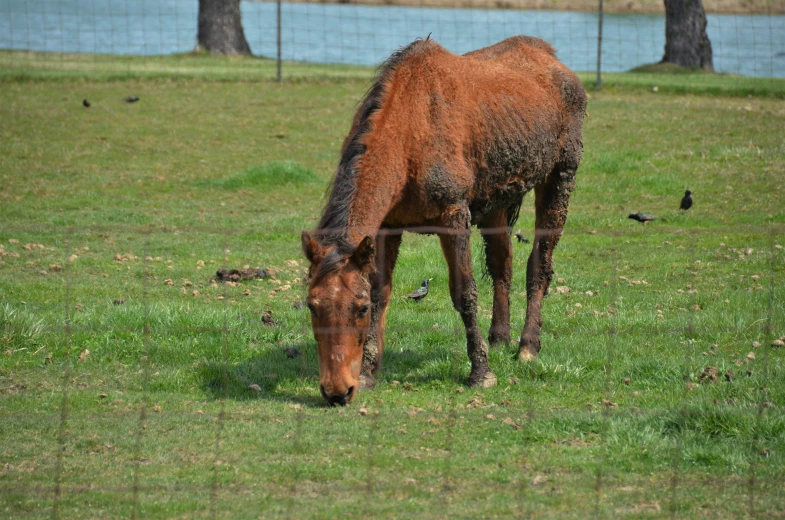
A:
{"x":271,"y":175}
{"x":22,"y":66}
{"x":216,"y":166}
{"x":28,"y":65}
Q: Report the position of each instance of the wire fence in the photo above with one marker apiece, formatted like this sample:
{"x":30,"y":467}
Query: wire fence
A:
{"x":94,"y":381}
{"x":352,"y":34}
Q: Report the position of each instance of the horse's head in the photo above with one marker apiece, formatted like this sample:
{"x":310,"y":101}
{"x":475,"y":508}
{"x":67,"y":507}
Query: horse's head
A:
{"x":339,"y":298}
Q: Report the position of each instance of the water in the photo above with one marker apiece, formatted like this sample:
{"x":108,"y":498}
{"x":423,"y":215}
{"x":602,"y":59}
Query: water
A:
{"x":365,"y":35}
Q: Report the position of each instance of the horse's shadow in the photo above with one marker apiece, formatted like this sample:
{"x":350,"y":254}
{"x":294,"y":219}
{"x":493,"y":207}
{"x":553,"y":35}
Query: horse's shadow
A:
{"x":270,"y":375}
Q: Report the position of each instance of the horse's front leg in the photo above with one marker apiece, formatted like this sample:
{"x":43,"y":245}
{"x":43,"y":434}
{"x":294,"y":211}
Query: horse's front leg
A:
{"x":387,"y":246}
{"x":552,"y":200}
{"x":463,"y":290}
{"x":498,"y":260}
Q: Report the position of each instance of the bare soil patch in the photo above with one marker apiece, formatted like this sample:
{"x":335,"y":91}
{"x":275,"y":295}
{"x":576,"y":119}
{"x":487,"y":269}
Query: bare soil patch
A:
{"x":236,"y":275}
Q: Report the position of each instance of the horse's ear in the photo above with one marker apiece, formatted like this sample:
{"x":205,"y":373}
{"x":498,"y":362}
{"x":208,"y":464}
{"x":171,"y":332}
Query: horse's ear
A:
{"x":363,"y":255}
{"x":311,"y":248}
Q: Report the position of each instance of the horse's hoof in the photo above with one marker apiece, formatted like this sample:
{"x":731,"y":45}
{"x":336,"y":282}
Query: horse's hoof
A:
{"x":526,"y":356}
{"x":487,"y":380}
{"x":498,"y":339}
{"x":528,"y":348}
{"x":367,"y":382}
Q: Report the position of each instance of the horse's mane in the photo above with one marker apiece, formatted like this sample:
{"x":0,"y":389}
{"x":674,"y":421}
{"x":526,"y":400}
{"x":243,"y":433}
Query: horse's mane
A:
{"x":334,"y":259}
{"x":333,"y":225}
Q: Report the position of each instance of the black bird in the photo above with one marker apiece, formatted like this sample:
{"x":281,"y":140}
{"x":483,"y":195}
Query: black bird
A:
{"x":520,"y":237}
{"x":421,"y":292}
{"x":131,"y":99}
{"x":291,"y":352}
{"x":686,"y":201}
{"x":642,"y":217}
{"x":86,"y":103}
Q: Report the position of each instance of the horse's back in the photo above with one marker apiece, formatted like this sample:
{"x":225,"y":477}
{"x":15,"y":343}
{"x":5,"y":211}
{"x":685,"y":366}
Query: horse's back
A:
{"x":517,"y":87}
{"x":536,"y":60}
{"x":518,"y":66}
{"x":513,"y":45}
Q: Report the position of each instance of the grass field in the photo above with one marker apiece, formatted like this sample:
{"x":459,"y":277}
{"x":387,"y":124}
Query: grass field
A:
{"x":125,"y":372}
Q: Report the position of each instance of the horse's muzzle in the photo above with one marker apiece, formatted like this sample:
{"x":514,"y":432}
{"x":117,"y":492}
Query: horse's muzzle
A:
{"x":334,"y":399}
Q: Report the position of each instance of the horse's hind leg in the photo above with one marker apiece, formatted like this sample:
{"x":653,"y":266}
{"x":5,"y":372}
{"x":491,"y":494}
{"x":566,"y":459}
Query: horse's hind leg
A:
{"x":387,"y":246}
{"x":552,"y":200}
{"x":498,"y":260}
{"x":463,"y":290}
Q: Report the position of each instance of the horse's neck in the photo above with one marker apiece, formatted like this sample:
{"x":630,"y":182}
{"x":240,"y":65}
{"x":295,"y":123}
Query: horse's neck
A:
{"x":366,"y":216}
{"x":374,"y":198}
{"x":366,"y":188}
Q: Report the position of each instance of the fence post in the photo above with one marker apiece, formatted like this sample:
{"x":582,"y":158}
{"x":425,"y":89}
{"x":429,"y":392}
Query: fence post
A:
{"x":278,"y":41}
{"x":598,"y":84}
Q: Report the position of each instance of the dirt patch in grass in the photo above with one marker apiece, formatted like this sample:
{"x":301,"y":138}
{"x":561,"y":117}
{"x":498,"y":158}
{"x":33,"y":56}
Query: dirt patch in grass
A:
{"x":709,"y":375}
{"x":236,"y":275}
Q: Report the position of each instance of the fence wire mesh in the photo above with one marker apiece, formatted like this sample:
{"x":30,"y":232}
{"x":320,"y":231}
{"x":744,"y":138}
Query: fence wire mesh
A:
{"x":747,"y":39}
{"x":139,"y":380}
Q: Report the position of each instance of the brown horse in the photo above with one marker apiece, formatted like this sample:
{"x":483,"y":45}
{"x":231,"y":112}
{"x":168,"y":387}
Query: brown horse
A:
{"x":440,"y":143}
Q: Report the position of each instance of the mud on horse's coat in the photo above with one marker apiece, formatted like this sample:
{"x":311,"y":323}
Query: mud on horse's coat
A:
{"x":443,"y":142}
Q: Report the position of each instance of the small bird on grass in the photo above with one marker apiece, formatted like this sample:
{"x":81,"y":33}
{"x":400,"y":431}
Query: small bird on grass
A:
{"x":686,"y":201}
{"x":292,"y":352}
{"x":267,"y":318}
{"x":131,"y":99}
{"x":86,"y":103}
{"x":520,"y":237}
{"x":421,"y":292}
{"x":642,"y":217}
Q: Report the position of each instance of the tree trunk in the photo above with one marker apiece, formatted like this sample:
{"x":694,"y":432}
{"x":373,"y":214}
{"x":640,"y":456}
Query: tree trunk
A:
{"x":220,"y":27}
{"x":686,"y":41}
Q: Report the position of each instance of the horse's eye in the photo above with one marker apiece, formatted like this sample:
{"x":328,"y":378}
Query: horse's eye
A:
{"x":362,"y":311}
{"x":312,"y":308}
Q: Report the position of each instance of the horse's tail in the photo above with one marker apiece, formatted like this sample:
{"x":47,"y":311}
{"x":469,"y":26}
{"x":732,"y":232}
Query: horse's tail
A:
{"x":512,"y":213}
